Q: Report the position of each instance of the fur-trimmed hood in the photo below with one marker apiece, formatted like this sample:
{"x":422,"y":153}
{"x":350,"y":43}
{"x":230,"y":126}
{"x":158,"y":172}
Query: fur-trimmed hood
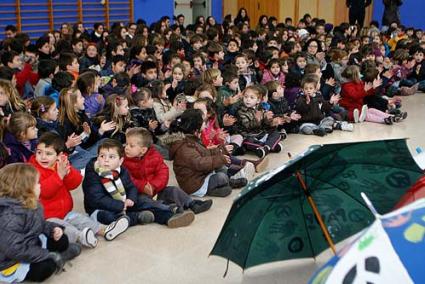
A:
{"x":175,"y":141}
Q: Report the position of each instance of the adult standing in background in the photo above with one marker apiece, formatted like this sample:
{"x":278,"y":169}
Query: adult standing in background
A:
{"x":357,"y":11}
{"x":391,"y":12}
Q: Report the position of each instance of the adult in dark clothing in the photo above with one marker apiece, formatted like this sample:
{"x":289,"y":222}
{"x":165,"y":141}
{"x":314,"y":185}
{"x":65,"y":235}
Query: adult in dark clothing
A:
{"x":357,"y":11}
{"x":391,"y":12}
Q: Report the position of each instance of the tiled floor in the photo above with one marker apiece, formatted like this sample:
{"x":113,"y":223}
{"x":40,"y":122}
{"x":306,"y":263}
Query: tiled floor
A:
{"x":156,"y":254}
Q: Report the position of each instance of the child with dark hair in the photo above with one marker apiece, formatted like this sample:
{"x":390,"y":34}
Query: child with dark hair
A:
{"x":57,"y":179}
{"x":150,"y":174}
{"x":199,"y":171}
{"x":228,"y":95}
{"x":119,"y":84}
{"x":273,"y":72}
{"x":143,"y":113}
{"x":315,"y":110}
{"x":280,"y":108}
{"x":61,"y":80}
{"x":110,"y":195}
{"x":247,"y":77}
{"x":43,"y":48}
{"x":69,"y":62}
{"x":88,"y":84}
{"x":20,"y":137}
{"x":46,"y":70}
{"x":148,"y":73}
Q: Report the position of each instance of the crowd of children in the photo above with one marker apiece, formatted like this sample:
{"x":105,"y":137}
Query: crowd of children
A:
{"x":102,"y":110}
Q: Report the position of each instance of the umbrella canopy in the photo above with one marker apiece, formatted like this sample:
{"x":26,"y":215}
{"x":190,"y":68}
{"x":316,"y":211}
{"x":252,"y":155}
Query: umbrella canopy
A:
{"x":417,"y":191}
{"x":272,"y":219}
{"x":389,"y":251}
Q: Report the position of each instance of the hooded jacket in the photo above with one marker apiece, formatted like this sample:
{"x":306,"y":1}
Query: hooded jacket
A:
{"x":54,"y":195}
{"x":192,"y":161}
{"x":148,"y":169}
{"x":19,"y":231}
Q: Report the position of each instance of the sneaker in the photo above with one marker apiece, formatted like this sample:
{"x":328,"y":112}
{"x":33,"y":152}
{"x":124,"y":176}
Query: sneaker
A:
{"x":319,"y":132}
{"x":88,"y":238}
{"x":278,"y":148}
{"x":238,"y":182}
{"x":116,"y":228}
{"x":199,"y":206}
{"x":388,"y":120}
{"x":71,"y":252}
{"x":345,"y":126}
{"x":260,"y":152}
{"x":283,"y":134}
{"x":356,"y":115}
{"x":220,"y":191}
{"x":145,"y":217}
{"x":363,"y":114}
{"x":249,"y":170}
{"x":181,"y":219}
{"x":260,"y":164}
{"x":175,"y":208}
{"x":401,"y":115}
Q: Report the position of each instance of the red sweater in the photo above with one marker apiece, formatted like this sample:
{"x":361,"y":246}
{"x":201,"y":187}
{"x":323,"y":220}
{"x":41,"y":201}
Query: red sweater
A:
{"x":352,"y":95}
{"x":26,"y":74}
{"x":148,"y":169}
{"x":54,"y":195}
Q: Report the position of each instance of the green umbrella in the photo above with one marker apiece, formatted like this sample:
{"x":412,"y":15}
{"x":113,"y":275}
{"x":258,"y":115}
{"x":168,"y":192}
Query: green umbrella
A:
{"x":273,"y":217}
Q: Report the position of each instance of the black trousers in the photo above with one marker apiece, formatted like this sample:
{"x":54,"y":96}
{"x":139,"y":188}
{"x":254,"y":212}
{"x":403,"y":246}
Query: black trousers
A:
{"x":40,"y":271}
{"x":357,"y":16}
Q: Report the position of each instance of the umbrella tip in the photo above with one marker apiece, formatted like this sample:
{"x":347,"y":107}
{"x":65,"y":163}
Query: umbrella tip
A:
{"x":370,"y":205}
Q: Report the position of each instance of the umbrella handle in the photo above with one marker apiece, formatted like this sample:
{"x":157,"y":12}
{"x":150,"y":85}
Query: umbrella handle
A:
{"x":316,"y":212}
{"x":370,"y":205}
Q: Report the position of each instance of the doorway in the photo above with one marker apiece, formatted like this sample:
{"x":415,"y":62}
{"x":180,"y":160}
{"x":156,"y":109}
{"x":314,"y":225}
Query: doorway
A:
{"x":191,"y":9}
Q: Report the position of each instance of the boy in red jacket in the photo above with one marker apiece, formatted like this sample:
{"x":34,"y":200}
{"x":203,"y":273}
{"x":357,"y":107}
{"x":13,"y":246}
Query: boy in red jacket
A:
{"x":150,"y":174}
{"x":57,"y":179}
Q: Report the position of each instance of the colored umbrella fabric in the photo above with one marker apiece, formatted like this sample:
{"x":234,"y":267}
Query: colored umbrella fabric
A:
{"x":272,"y":220}
{"x":417,"y":191}
{"x":391,"y":250}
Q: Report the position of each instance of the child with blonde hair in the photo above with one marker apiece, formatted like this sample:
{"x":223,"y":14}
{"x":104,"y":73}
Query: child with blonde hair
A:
{"x":10,"y":100}
{"x":31,"y":249}
{"x":74,"y":124}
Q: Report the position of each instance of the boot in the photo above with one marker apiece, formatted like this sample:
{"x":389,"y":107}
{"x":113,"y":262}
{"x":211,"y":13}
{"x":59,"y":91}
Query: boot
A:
{"x":260,"y":164}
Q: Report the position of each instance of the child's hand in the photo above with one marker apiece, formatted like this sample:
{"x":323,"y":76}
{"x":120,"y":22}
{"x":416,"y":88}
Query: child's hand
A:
{"x":229,"y":148}
{"x":335,"y":99}
{"x":100,"y":99}
{"x":86,"y":128}
{"x":377,"y":82}
{"x":62,"y":166}
{"x":269,"y":115}
{"x":227,"y":158}
{"x":222,"y":135}
{"x":228,"y":120}
{"x":368,"y":87}
{"x":330,"y":82}
{"x":259,"y":115}
{"x":167,"y":123}
{"x":57,"y":233}
{"x":278,"y":121}
{"x":135,"y":69}
{"x":174,"y":83}
{"x":106,"y":126}
{"x":148,"y":189}
{"x":73,"y":140}
{"x":128,"y":203}
{"x":153,"y":124}
{"x":295,"y":116}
